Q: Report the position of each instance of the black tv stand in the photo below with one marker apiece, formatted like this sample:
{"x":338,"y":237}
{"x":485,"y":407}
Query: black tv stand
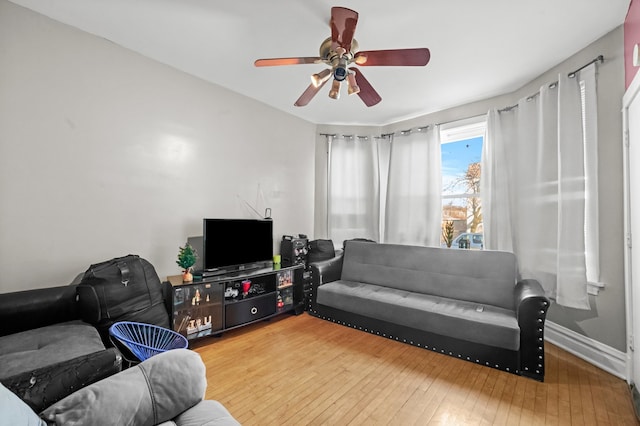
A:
{"x":232,"y":299}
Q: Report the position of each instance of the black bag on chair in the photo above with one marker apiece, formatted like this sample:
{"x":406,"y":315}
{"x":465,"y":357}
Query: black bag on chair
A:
{"x":320,"y":250}
{"x":121,"y":289}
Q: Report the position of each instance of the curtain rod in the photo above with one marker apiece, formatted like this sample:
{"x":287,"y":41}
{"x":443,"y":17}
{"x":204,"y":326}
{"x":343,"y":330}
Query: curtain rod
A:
{"x":344,"y":136}
{"x":572,"y":74}
{"x":407,"y":131}
{"x":600,"y":59}
{"x":435,"y":124}
{"x":383,"y":135}
{"x":398,"y":132}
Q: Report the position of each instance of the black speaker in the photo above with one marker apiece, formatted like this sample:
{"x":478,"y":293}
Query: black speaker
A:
{"x":293,"y":250}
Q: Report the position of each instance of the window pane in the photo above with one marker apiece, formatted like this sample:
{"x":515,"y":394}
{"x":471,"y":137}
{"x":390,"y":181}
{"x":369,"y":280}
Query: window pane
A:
{"x":466,"y":215}
{"x":461,"y":167}
{"x":461,"y":207}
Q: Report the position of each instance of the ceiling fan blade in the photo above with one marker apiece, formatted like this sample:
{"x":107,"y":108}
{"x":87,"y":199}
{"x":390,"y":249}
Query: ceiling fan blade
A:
{"x":308,"y":94}
{"x":394,"y":57}
{"x":367,"y":93}
{"x":343,"y":27}
{"x":272,"y":62}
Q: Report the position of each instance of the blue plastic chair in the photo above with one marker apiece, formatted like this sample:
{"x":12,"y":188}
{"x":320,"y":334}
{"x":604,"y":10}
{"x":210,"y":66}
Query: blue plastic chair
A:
{"x":146,"y":340}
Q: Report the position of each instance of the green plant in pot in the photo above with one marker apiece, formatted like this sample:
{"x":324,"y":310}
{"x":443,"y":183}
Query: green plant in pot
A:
{"x":447,"y":233}
{"x":186,"y":259}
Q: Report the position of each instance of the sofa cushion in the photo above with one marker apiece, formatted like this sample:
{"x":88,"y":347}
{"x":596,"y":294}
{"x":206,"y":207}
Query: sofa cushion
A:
{"x":41,"y":347}
{"x":484,"y":277}
{"x":469,"y":321}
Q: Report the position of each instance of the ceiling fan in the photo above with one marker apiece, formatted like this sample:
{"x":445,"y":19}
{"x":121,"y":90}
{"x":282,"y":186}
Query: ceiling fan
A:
{"x":340,"y":51}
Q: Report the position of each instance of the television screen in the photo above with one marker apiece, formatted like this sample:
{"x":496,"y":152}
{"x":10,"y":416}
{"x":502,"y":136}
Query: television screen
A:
{"x":236,"y":242}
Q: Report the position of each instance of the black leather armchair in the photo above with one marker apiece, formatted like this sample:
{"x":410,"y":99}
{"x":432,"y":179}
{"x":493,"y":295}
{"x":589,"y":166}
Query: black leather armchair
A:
{"x":41,"y":383}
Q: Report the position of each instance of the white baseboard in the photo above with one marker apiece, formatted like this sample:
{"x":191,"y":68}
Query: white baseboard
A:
{"x":602,"y":356}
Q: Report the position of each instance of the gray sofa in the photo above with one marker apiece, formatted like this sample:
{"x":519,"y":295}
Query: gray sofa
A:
{"x":464,"y":303}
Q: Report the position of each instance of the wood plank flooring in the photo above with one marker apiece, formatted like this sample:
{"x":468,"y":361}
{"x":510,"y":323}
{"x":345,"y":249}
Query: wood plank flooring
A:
{"x":300,"y":370}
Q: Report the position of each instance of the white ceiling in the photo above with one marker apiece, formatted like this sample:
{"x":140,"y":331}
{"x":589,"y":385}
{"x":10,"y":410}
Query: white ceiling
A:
{"x":479,"y":49}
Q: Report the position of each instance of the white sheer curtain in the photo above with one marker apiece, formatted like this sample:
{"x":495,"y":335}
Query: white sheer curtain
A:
{"x":537,"y":171}
{"x":592,"y":218}
{"x":414,"y":191}
{"x":353,"y":189}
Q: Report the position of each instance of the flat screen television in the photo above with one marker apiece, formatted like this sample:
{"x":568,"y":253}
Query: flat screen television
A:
{"x":236,"y":244}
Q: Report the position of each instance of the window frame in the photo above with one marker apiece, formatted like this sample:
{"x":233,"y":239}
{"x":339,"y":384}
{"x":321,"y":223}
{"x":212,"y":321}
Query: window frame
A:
{"x":460,"y":130}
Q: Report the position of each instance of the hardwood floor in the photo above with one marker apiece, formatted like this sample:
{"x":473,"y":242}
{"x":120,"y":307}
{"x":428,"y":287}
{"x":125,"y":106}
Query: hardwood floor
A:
{"x":299,"y":370}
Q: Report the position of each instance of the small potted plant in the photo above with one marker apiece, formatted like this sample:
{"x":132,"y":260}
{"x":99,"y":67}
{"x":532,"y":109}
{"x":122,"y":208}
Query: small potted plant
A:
{"x":186,"y":259}
{"x":447,"y":233}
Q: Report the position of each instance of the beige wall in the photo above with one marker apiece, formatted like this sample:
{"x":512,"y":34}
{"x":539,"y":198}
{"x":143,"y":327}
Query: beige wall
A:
{"x":605,"y":322}
{"x":104,"y":152}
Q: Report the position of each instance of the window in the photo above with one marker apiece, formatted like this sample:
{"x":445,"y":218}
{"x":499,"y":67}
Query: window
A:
{"x":461,"y":206}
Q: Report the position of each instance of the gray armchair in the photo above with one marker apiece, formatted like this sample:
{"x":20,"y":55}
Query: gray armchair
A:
{"x":166,"y":389}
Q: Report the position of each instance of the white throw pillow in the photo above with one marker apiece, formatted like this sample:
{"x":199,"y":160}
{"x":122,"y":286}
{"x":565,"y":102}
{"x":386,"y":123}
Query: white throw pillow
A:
{"x":15,"y":411}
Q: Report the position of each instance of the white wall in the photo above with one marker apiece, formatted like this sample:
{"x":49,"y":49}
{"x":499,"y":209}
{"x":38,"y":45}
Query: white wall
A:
{"x":605,"y":322}
{"x":104,"y":152}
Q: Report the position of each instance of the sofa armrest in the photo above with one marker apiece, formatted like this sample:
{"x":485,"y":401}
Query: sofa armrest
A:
{"x":29,"y":309}
{"x":44,"y":386}
{"x":207,"y":412}
{"x":531,"y":309}
{"x":324,"y":272}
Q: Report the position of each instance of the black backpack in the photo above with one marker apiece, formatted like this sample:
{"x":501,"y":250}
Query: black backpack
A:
{"x":121,"y":289}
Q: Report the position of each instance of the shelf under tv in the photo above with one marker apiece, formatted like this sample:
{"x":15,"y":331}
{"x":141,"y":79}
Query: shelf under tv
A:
{"x":262,"y":301}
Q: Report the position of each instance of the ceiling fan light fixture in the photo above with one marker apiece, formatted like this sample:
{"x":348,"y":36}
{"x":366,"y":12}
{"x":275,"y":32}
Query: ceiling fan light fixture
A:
{"x":339,"y":52}
{"x":340,"y":73}
{"x":340,"y":69}
{"x":353,"y":85}
{"x":334,"y":93}
{"x":319,"y":78}
{"x":360,"y":59}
